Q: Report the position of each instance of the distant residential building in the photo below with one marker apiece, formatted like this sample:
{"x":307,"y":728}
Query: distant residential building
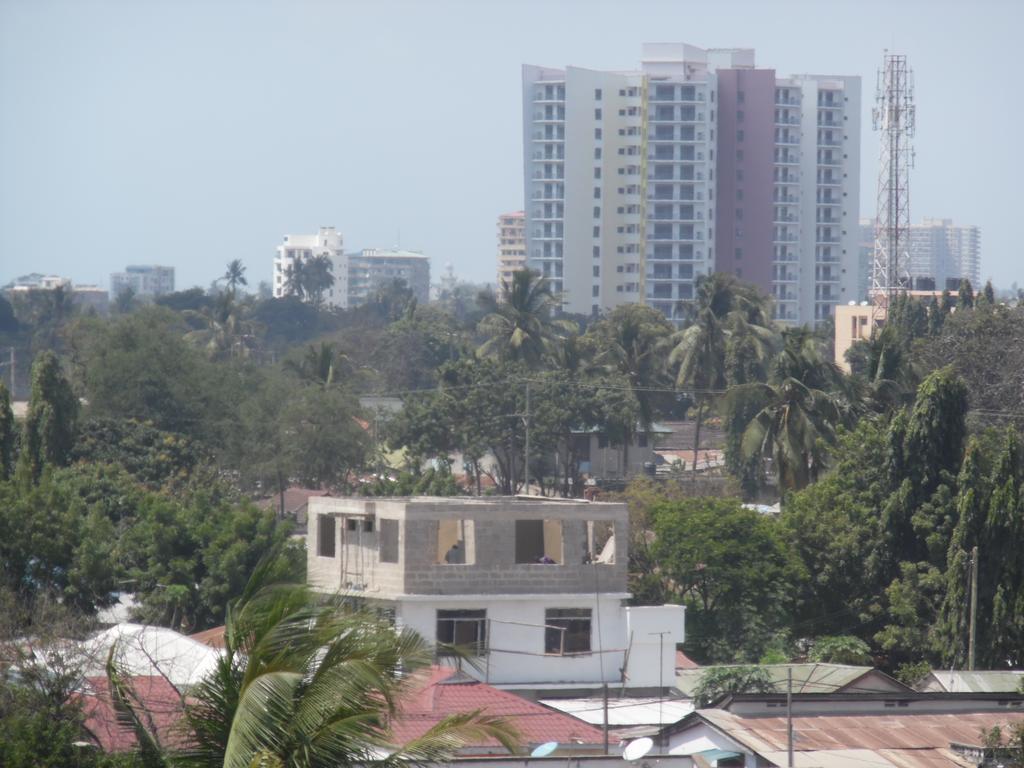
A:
{"x":637,"y":183}
{"x":327,"y":242}
{"x":36,"y":281}
{"x":145,"y":281}
{"x":809,"y":677}
{"x":945,"y":253}
{"x":83,"y":297}
{"x":537,"y":588}
{"x":373,"y":267}
{"x":511,"y":245}
{"x":90,"y":298}
{"x":978,"y":681}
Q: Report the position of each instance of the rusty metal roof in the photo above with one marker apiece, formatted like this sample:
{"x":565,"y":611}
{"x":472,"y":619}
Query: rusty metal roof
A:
{"x":906,"y":740}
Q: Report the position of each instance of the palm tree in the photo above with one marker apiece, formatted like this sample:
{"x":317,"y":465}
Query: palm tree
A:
{"x":235,"y":275}
{"x":724,"y":307}
{"x":519,"y":324}
{"x":295,"y":279}
{"x":320,"y":365}
{"x":796,"y":416}
{"x":791,"y":430}
{"x":318,"y":277}
{"x":634,"y":340}
{"x":305,"y":682}
{"x":223,"y":329}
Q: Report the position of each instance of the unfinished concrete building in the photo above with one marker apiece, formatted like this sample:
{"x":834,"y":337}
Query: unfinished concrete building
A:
{"x":535,"y":588}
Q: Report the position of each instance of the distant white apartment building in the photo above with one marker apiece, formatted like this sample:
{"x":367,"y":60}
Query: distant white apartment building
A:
{"x":637,"y":183}
{"x":374,"y":267}
{"x":944,"y":253}
{"x":511,"y":245}
{"x":326,"y":242}
{"x":145,"y":281}
{"x":535,"y":588}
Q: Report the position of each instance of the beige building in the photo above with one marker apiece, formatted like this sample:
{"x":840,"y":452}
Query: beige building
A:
{"x":511,"y":245}
{"x":854,"y":322}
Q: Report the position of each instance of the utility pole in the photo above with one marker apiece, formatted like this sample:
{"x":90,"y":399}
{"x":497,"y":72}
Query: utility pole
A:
{"x":605,"y":729}
{"x":526,"y":419}
{"x":789,"y":716}
{"x":974,"y":609}
{"x":661,"y":665}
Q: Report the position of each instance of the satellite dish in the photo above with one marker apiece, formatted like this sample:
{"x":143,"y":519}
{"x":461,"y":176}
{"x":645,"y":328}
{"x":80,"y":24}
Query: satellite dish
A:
{"x":544,"y":749}
{"x":636,"y":750}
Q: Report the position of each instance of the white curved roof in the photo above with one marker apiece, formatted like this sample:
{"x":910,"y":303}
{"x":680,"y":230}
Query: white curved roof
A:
{"x":147,"y":650}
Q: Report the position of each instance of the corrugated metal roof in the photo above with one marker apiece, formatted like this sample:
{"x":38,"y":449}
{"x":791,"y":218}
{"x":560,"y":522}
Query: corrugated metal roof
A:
{"x":906,"y":740}
{"x":986,"y":681}
{"x":807,"y":678}
{"x":625,"y":711}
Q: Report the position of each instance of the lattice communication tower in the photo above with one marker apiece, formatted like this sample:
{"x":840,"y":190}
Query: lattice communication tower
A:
{"x":894,"y":117}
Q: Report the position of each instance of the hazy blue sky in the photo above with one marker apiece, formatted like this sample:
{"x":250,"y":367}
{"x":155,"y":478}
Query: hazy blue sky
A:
{"x":192,"y":133}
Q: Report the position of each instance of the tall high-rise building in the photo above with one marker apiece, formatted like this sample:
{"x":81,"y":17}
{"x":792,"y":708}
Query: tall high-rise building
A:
{"x":145,"y":281}
{"x":327,"y":242}
{"x":637,"y":183}
{"x":511,"y":245}
{"x":945,"y":253}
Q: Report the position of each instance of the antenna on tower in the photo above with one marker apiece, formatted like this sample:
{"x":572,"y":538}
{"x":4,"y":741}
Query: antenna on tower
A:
{"x":894,"y":117}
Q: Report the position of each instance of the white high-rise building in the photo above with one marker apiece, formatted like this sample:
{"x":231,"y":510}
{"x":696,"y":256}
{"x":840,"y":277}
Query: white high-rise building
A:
{"x":637,"y":183}
{"x":944,"y":253}
{"x":327,"y":242}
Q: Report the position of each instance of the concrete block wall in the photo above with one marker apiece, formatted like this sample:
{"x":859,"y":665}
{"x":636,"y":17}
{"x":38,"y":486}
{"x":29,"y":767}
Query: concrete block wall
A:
{"x":493,"y":570}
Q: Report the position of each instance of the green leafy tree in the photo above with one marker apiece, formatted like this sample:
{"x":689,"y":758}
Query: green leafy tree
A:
{"x":965,"y":295}
{"x":717,"y":682}
{"x":325,"y":440}
{"x":52,"y":417}
{"x":124,"y":301}
{"x":7,"y":434}
{"x":835,"y":528}
{"x":733,"y":570}
{"x":840,"y":649}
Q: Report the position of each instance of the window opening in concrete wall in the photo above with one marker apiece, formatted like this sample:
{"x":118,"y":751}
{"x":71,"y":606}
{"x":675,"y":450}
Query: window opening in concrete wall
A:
{"x":466,"y":628}
{"x":599,"y":547}
{"x":539,"y":541}
{"x":388,"y":541}
{"x":567,"y":631}
{"x":325,"y":536}
{"x":351,"y":524}
{"x":456,"y":543}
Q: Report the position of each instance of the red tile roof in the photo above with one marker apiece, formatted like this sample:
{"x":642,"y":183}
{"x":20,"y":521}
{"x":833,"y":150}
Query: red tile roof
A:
{"x":445,"y":692}
{"x":683,"y":661}
{"x":153,"y":694}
